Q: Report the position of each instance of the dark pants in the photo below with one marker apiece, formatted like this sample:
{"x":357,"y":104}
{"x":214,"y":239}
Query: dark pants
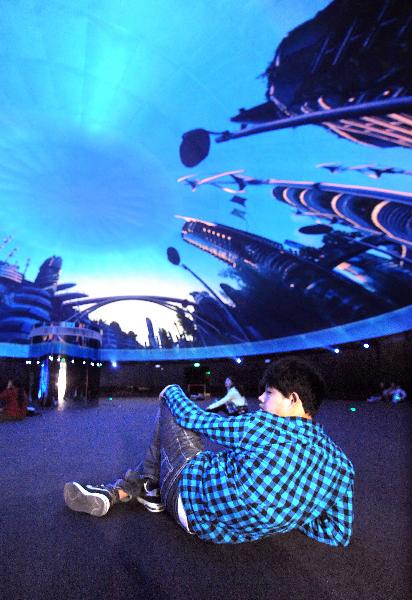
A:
{"x":170,"y":449}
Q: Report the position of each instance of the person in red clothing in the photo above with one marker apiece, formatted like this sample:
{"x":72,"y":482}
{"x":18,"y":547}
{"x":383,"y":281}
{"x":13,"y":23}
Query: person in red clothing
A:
{"x":15,"y":402}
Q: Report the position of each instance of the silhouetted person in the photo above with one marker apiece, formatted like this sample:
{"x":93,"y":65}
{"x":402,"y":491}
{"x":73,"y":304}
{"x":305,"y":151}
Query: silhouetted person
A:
{"x":15,"y":402}
{"x":379,"y":394}
{"x":394,"y":393}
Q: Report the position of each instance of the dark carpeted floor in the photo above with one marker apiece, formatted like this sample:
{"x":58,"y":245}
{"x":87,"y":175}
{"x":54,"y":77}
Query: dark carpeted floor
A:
{"x":48,"y":552}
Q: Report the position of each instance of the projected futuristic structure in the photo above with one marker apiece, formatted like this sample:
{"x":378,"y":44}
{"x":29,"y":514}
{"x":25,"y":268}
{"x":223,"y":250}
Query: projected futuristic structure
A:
{"x":319,"y":68}
{"x":346,"y":69}
{"x":385,"y":213}
{"x":275,"y":279}
{"x":94,"y":103}
{"x":40,"y":312}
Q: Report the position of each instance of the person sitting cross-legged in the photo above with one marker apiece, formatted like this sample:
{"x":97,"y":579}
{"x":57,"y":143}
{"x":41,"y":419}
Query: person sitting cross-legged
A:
{"x":279,"y":470}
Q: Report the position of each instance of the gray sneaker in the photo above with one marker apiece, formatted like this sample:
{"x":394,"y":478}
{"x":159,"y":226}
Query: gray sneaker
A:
{"x":95,"y":500}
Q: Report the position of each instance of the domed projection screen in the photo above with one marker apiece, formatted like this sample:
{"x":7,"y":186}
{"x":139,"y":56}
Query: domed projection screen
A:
{"x":204,"y":178}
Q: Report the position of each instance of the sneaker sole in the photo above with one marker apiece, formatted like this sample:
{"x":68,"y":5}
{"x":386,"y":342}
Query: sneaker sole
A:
{"x":80,"y":500}
{"x":151,"y":507}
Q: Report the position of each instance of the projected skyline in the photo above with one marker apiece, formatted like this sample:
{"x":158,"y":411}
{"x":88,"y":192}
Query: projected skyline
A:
{"x":94,"y":101}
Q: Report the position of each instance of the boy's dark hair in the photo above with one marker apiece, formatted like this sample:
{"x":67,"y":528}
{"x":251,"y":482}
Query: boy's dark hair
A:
{"x":293,"y":374}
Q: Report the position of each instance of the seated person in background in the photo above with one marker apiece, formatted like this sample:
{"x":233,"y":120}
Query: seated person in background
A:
{"x":15,"y":402}
{"x":233,"y":403}
{"x":379,"y":395}
{"x":279,"y":470}
{"x":394,"y":393}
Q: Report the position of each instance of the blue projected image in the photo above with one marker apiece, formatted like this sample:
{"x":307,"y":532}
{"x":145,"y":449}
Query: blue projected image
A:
{"x":206,"y":178}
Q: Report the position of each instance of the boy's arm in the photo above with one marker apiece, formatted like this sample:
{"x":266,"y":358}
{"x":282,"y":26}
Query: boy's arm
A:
{"x":334,"y":525}
{"x":227,"y":431}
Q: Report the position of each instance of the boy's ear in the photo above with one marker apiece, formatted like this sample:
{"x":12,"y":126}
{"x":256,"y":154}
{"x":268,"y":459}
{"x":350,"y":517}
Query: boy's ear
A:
{"x":294,"y":397}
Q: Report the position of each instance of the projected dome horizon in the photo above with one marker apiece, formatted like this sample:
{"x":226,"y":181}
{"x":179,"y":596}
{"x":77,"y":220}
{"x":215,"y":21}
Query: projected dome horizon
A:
{"x":121,"y":237}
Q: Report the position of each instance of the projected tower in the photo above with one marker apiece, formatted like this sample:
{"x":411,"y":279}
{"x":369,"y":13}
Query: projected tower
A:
{"x":386,"y":213}
{"x":286,"y":290}
{"x":22,"y":304}
{"x":349,"y":55}
{"x":33,"y":312}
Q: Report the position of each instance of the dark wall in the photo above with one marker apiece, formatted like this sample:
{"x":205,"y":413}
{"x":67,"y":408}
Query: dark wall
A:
{"x":83,"y":381}
{"x":13,"y":368}
{"x":357,"y":371}
{"x":352,"y":374}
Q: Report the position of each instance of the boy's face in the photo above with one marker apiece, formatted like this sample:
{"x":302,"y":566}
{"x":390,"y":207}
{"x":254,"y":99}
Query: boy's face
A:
{"x":274,"y":402}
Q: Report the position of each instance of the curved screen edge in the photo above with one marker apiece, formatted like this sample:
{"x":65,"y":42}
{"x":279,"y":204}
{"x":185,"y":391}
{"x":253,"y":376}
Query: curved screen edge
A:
{"x":383,"y":325}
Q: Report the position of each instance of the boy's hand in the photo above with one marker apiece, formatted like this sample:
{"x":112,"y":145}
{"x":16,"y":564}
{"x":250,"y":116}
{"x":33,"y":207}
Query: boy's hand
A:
{"x":163,"y":391}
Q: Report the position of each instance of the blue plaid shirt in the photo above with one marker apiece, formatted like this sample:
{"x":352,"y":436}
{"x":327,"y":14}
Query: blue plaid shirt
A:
{"x":277,"y":474}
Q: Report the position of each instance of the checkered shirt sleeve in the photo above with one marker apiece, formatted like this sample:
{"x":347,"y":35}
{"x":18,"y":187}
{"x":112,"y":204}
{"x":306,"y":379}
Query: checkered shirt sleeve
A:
{"x":334,"y":524}
{"x":275,"y":475}
{"x":225,"y":431}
